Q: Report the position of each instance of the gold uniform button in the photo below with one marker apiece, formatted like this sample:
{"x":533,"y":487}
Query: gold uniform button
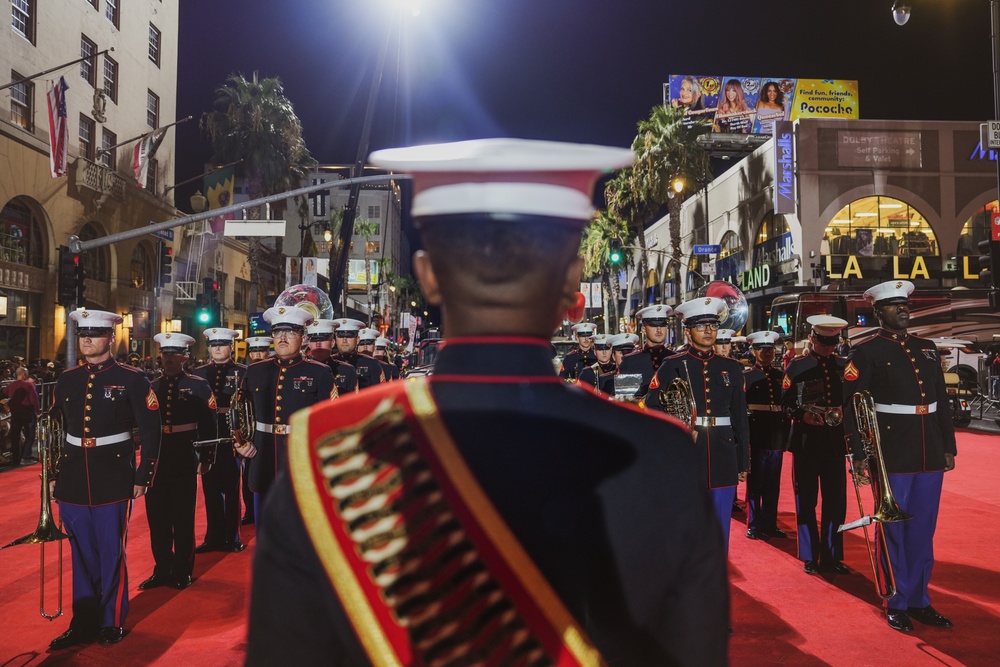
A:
{"x":89,"y":396}
{"x":280,"y":387}
{"x":88,"y":407}
{"x":277,"y":419}
{"x":92,"y":377}
{"x":86,"y":430}
{"x":87,"y":418}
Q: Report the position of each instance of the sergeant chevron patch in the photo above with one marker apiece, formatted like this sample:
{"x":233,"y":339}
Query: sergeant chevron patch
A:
{"x":851,"y":372}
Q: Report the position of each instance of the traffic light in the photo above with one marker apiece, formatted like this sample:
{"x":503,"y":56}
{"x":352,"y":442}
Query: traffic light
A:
{"x":203,"y":310}
{"x":208,"y":310}
{"x":67,"y":275}
{"x":615,"y":252}
{"x":166,"y":263}
{"x":989,"y":262}
{"x":81,"y":282}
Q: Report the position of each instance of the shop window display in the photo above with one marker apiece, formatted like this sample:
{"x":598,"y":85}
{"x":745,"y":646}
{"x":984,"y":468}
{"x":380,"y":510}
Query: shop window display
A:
{"x":879,"y":227}
{"x":976,"y":229}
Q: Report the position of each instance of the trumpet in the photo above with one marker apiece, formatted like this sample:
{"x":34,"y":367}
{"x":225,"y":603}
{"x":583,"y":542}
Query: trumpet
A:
{"x":816,"y":415}
{"x":49,"y":434}
{"x":678,"y":401}
{"x":887,"y":509}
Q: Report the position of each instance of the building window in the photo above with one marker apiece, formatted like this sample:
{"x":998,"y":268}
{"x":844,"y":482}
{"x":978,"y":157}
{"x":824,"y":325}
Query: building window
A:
{"x":111,"y":11}
{"x":22,"y":103}
{"x":241,"y":295}
{"x":976,"y":229}
{"x":88,"y":129}
{"x":20,"y":234}
{"x":373,"y":247}
{"x":154,"y":44}
{"x":880,"y":227}
{"x":96,"y":261}
{"x":151,"y":174}
{"x":318,"y":200}
{"x":141,"y":268}
{"x":88,"y":67}
{"x":374,"y":212}
{"x":23,"y":18}
{"x":152,"y":109}
{"x":109,"y":156}
{"x":94,"y":3}
{"x":111,"y":79}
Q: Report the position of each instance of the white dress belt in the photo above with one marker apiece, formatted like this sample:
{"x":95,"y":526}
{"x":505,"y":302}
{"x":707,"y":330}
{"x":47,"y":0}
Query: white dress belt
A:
{"x":900,"y":409}
{"x":179,"y":428}
{"x":712,"y":421}
{"x":764,"y":407}
{"x":277,"y":429}
{"x":97,"y":442}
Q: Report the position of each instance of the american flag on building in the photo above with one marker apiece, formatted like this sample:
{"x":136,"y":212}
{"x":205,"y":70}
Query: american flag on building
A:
{"x":58,"y":128}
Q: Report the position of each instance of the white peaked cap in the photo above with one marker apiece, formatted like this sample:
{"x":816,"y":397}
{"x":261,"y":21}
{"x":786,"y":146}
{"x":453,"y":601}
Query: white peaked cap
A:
{"x":347,"y":324}
{"x":584,"y":327}
{"x":826,"y":325}
{"x":221,"y":334}
{"x":658,"y":311}
{"x":288,"y":315}
{"x":259,"y":342}
{"x":890,"y":291}
{"x":514,"y":176}
{"x":367,"y":335}
{"x":724,"y":335}
{"x":173,"y":342}
{"x":764,"y":338}
{"x":702,"y":308}
{"x":95,"y":319}
{"x":320,"y":327}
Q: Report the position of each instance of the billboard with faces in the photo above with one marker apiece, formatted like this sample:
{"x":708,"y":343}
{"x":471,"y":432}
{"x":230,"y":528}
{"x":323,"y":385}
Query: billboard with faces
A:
{"x":751,"y":104}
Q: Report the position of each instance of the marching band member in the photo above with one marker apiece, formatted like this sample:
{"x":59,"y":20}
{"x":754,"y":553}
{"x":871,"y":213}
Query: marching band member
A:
{"x":258,"y":349}
{"x":601,"y":375}
{"x":320,"y":336}
{"x":221,"y":484}
{"x":647,"y":360}
{"x":101,"y":402}
{"x":367,"y":338}
{"x":717,"y":384}
{"x":903,"y":373}
{"x":583,"y":355}
{"x":370,"y":372}
{"x":812,"y":396}
{"x":768,"y":437}
{"x":724,"y":342}
{"x":621,"y":345}
{"x":188,"y":413}
{"x":381,"y":353}
{"x":452,"y":489}
{"x":278,"y":388}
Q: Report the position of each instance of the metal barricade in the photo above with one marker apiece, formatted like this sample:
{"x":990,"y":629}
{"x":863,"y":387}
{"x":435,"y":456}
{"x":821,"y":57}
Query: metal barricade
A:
{"x":989,"y":386}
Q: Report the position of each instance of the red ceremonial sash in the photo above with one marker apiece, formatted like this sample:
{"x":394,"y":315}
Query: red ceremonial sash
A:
{"x":425,"y":567}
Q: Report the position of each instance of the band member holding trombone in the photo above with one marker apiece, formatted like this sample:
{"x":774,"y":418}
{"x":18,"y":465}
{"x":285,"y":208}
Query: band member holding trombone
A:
{"x":188,"y":413}
{"x":903,"y":374}
{"x":812,"y":396}
{"x":101,"y":402}
{"x":221,"y":484}
{"x":716,"y":384}
{"x":583,"y":356}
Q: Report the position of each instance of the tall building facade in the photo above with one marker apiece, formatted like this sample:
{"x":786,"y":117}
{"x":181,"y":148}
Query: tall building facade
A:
{"x":125,"y":87}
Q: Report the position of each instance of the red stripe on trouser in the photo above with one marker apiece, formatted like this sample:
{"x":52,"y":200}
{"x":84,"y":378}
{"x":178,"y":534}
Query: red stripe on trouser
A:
{"x":122,"y":572}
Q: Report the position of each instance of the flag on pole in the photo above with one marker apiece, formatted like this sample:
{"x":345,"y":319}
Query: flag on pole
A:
{"x":58,"y":128}
{"x":143,"y":152}
{"x":219,"y":189}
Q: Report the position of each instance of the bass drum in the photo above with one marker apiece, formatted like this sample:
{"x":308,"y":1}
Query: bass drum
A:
{"x":736,"y":312}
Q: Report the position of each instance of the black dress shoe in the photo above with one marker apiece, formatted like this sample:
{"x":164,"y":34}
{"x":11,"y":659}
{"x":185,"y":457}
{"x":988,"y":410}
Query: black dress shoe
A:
{"x":155,"y":581}
{"x":755,"y":534}
{"x":836,"y":567}
{"x":899,"y":620}
{"x":205,"y":547}
{"x":811,"y":567}
{"x":929,"y":616}
{"x":72,"y":637}
{"x":111,"y":635}
{"x":183,"y":582}
{"x":776,"y":532}
{"x":236,"y":548}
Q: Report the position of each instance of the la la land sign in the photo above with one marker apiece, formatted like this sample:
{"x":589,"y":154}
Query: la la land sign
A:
{"x":845,"y":267}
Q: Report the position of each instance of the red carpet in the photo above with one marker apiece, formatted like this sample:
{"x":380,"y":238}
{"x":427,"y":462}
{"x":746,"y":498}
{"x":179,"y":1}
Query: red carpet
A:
{"x":781,"y":616}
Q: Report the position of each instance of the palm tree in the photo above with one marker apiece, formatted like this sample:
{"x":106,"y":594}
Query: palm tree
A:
{"x":595,"y":249}
{"x":666,"y":150}
{"x":255,"y":123}
{"x":366,"y":229}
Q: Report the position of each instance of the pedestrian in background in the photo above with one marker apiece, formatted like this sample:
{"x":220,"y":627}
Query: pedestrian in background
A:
{"x":21,"y":398}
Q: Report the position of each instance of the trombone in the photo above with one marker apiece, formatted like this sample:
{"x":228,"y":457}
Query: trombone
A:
{"x":887,"y":510}
{"x":49,"y":433}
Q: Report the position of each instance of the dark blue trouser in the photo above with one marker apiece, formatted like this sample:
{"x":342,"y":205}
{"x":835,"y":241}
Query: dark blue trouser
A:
{"x":814,"y":472}
{"x":722,"y":500}
{"x":763,"y":487}
{"x":170,"y":505}
{"x":97,"y":537}
{"x":221,"y":489}
{"x":911,"y":543}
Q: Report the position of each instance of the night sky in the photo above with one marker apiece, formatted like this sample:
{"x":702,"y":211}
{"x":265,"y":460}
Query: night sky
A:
{"x":573,"y":70}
